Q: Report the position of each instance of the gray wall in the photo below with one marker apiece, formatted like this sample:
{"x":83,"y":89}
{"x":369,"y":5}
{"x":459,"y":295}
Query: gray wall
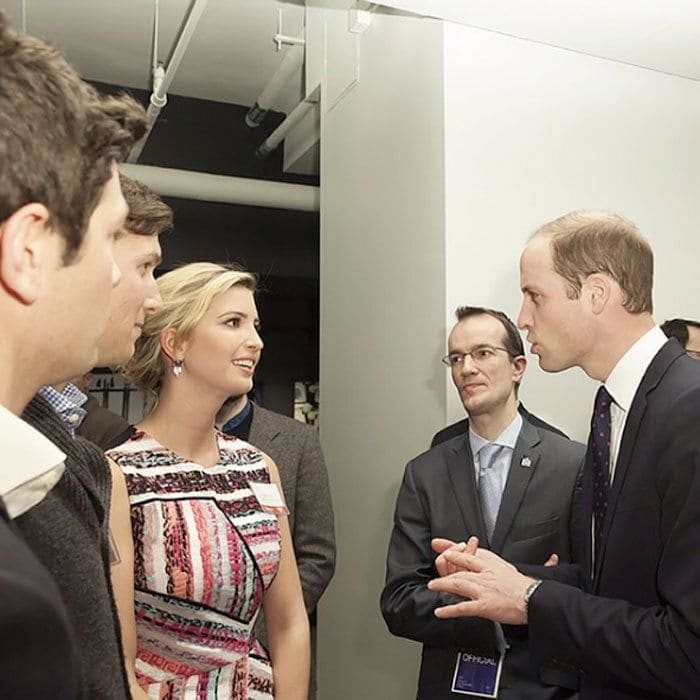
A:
{"x":382,"y":309}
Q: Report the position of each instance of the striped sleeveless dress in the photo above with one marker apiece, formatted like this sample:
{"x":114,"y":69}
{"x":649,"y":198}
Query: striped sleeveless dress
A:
{"x":204,"y":553}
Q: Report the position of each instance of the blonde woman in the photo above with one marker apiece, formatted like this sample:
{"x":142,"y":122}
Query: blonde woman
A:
{"x":208,"y":546}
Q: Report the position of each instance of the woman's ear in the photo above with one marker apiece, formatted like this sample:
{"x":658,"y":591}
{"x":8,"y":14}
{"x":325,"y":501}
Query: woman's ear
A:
{"x":172,"y":346}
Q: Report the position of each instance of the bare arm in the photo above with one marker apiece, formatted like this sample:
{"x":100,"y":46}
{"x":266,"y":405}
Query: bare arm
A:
{"x":286,"y":619}
{"x":122,"y":569}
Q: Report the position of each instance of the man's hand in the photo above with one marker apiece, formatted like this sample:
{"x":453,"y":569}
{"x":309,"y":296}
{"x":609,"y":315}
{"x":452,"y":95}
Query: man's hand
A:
{"x":442,"y":564}
{"x":494,"y":589}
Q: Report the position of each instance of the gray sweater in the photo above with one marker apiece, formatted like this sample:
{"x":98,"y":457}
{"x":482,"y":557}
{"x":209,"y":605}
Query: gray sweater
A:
{"x":68,"y":532}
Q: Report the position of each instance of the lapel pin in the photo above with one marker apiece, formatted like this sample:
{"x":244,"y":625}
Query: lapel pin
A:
{"x":525,"y":462}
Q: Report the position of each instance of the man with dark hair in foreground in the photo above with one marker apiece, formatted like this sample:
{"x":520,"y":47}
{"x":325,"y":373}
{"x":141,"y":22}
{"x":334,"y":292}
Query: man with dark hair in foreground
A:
{"x":60,"y":209}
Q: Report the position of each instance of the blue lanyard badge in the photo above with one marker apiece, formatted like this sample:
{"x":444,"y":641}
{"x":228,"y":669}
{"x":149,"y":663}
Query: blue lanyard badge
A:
{"x":477,"y":675}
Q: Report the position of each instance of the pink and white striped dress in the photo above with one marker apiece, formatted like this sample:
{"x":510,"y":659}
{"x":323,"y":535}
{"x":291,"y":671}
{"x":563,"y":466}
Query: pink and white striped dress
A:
{"x":204,"y":553}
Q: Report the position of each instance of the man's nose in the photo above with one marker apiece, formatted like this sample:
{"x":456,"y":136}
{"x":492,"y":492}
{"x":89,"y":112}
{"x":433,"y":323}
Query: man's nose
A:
{"x":468,"y":366}
{"x":116,"y":273}
{"x":523,"y":321}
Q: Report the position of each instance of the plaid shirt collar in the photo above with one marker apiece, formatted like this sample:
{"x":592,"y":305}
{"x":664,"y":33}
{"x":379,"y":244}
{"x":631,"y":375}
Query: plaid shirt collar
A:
{"x":67,"y":404}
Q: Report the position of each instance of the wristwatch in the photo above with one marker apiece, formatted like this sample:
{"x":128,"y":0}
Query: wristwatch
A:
{"x":528,"y":594}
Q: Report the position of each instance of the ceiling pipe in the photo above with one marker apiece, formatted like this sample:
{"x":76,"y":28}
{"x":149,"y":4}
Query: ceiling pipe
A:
{"x":278,"y":135}
{"x":187,"y":184}
{"x":289,"y":65}
{"x":163,"y":77}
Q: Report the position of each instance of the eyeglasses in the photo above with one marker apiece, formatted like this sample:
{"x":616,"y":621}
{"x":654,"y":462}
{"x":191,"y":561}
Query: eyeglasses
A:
{"x":695,"y":354}
{"x":480,"y":355}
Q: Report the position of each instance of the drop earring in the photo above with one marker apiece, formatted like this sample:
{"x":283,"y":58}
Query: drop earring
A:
{"x":177,"y":367}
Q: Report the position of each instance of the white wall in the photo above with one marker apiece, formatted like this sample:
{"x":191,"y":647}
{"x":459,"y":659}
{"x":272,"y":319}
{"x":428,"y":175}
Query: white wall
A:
{"x":445,"y":148}
{"x":382,"y":325}
{"x":533,"y":131}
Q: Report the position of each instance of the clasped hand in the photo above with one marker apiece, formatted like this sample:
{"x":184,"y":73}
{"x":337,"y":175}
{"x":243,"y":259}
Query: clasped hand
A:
{"x":492,"y":588}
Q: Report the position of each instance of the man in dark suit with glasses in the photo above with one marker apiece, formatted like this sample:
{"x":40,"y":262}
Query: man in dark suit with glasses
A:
{"x":505,"y":480}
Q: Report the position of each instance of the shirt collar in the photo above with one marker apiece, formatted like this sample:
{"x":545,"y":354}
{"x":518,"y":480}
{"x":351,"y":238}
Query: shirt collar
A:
{"x":507,"y":438}
{"x":236,"y":420}
{"x":74,"y":395}
{"x":624,"y":380}
{"x":67,"y":404}
{"x":31,"y":466}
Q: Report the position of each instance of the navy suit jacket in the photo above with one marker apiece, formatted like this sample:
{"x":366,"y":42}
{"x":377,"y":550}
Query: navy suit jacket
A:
{"x":637,"y":633}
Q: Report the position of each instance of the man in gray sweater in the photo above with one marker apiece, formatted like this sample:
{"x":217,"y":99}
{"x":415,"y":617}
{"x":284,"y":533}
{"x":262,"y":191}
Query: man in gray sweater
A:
{"x":69,"y":529}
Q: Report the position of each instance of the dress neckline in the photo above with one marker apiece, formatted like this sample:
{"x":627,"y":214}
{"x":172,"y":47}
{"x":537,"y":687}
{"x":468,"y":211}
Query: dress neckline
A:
{"x":179,"y":458}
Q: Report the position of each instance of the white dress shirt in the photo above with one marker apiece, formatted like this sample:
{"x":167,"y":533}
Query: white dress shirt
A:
{"x":622,"y":384}
{"x":30,"y":464}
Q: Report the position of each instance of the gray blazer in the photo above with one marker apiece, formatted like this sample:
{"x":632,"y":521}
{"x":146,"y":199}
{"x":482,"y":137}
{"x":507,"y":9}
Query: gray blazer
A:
{"x":439,"y":498}
{"x":296,"y":450}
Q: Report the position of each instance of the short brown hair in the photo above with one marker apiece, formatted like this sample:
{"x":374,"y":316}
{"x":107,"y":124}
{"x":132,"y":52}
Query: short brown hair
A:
{"x":148,"y":214}
{"x":585,"y":242}
{"x":512,"y":341}
{"x":59,"y":136}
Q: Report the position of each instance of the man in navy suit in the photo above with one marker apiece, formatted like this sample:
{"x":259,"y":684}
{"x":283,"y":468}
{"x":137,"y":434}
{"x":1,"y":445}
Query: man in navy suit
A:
{"x":635,"y":633}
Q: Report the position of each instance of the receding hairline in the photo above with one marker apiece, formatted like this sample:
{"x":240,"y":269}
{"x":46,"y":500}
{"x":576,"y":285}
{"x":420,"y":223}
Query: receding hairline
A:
{"x":479,"y":314}
{"x":580,"y":218}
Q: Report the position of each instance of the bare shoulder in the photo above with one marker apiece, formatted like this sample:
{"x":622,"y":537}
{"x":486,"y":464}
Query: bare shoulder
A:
{"x":118,"y":478}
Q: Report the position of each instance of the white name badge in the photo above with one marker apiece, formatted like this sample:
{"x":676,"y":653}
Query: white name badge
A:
{"x":269,"y":497}
{"x":477,"y":675}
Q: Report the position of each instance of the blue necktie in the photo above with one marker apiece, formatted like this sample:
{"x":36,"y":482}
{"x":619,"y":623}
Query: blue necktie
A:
{"x":600,"y":443}
{"x":490,"y":488}
{"x":490,"y":494}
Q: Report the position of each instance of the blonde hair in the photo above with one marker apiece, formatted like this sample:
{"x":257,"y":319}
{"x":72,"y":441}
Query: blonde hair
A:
{"x":187,"y":293}
{"x":585,"y":242}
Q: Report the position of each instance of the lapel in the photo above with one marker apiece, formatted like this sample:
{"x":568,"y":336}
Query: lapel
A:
{"x":523,"y":465}
{"x":262,"y":431}
{"x":587,"y":508}
{"x":460,"y":468}
{"x":654,"y":374}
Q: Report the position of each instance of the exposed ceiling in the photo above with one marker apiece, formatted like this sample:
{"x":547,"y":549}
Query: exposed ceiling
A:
{"x":663,"y":35}
{"x":230,"y":58}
